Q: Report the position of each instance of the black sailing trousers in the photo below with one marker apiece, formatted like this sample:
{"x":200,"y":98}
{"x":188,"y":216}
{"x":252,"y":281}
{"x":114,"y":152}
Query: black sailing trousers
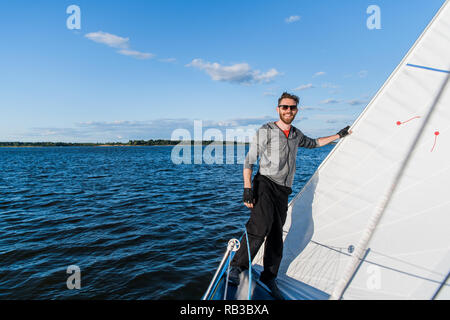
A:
{"x":267,"y":218}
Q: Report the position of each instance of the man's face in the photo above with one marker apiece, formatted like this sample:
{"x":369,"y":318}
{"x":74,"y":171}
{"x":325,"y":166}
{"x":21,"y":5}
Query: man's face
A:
{"x":287,"y":115}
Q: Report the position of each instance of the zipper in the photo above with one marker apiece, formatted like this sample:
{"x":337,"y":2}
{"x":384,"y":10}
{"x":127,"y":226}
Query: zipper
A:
{"x":287,"y":161}
{"x":289,"y":150}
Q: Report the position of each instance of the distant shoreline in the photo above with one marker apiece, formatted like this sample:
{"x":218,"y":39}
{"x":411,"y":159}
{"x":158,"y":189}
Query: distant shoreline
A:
{"x":131,"y":143}
{"x":140,"y":143}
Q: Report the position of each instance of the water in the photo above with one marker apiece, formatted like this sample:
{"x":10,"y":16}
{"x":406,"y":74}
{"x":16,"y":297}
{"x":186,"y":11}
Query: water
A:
{"x":138,"y":226}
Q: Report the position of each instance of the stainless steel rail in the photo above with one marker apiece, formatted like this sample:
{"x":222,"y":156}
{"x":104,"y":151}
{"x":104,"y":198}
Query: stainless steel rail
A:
{"x":233,"y":245}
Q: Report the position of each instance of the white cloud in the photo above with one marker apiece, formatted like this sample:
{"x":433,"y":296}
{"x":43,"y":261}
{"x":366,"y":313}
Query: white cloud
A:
{"x":353,"y":102}
{"x":271,"y":91}
{"x":266,"y":76}
{"x":330,"y":101}
{"x":136,"y":54}
{"x":114,"y":41}
{"x":304,"y":87}
{"x":311,"y":108}
{"x":236,"y":73}
{"x":168,"y":60}
{"x":318,"y":74}
{"x":335,"y":92}
{"x":109,"y":131}
{"x":124,"y":130}
{"x":363,"y":73}
{"x":109,"y":39}
{"x":329,"y":86}
{"x":333,"y":118}
{"x":357,"y":102}
{"x":292,"y":19}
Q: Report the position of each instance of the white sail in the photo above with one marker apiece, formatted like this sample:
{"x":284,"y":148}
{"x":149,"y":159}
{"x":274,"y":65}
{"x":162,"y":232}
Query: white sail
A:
{"x":408,"y":253}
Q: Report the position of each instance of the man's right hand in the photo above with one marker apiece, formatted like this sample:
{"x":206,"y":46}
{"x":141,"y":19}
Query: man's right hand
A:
{"x":248,"y":198}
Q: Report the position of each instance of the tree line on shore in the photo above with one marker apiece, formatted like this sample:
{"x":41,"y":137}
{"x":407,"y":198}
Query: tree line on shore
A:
{"x":158,"y":142}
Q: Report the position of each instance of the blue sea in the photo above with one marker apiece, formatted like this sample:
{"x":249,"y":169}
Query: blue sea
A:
{"x":136,"y":225}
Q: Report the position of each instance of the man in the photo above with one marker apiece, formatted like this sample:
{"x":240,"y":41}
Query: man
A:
{"x":276,"y":145}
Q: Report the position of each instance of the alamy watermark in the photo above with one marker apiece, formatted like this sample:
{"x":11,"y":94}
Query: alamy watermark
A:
{"x":74,"y":280}
{"x":374,"y":279}
{"x":74,"y":20}
{"x":374,"y":20}
{"x":233,"y":140}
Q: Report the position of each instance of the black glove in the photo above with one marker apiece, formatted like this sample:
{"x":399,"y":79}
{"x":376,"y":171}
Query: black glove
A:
{"x":248,"y":196}
{"x":343,"y":132}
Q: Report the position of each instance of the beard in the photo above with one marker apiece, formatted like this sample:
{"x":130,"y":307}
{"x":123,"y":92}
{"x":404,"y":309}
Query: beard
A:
{"x":287,"y":119}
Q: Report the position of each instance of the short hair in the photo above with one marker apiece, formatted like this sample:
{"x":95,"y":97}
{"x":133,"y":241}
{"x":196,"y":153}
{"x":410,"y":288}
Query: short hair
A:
{"x":286,"y":95}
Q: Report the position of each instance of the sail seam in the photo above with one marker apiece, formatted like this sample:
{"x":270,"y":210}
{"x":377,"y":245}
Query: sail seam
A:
{"x":427,"y":68}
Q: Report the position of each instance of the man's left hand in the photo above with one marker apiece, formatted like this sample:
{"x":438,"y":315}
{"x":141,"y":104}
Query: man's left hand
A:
{"x":344,"y":132}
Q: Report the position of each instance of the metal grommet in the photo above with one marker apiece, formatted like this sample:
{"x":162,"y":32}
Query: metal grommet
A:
{"x":234,"y":245}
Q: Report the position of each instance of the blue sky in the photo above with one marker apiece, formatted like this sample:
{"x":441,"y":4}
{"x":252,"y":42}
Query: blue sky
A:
{"x":141,"y":69}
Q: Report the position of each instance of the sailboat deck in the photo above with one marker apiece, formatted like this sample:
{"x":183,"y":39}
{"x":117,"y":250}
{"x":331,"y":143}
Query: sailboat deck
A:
{"x":292,"y":289}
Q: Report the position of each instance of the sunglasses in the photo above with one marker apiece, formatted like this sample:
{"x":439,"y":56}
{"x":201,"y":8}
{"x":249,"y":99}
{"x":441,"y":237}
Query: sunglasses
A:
{"x":285,"y":107}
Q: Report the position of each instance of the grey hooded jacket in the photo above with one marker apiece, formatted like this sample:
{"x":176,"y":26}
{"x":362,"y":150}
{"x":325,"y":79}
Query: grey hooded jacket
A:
{"x":277,"y":154}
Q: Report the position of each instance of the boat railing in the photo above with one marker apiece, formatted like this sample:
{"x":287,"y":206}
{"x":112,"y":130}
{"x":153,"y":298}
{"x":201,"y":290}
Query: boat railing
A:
{"x":233,"y":245}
